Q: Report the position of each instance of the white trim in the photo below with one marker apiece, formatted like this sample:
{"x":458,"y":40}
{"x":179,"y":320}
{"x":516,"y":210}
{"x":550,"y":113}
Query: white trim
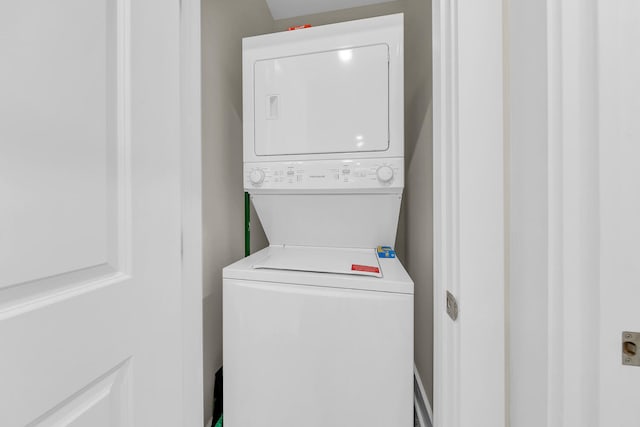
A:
{"x":444,"y":399}
{"x":572,"y":389}
{"x":192,"y":396}
{"x":123,"y":131}
{"x":469,"y":214}
{"x":573,"y":234}
{"x":555,"y":381}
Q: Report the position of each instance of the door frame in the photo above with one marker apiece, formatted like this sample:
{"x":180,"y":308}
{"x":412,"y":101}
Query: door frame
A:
{"x":470,"y":213}
{"x":562,"y":300}
{"x":573,"y":252}
{"x":191,"y":190}
{"x":579,"y":99}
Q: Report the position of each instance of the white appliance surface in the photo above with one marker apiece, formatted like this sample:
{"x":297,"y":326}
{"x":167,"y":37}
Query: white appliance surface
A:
{"x":380,"y":175}
{"x":339,"y":203}
{"x":323,"y":135}
{"x":321,"y":92}
{"x":361,"y":262}
{"x":323,"y":102}
{"x":308,"y":343}
{"x":336,"y":220}
{"x":317,"y":349}
{"x":394,"y":278}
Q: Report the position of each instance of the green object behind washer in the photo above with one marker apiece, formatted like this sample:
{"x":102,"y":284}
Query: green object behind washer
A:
{"x":247,"y":225}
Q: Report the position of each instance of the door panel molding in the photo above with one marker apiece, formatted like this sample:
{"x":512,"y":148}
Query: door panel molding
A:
{"x":18,"y":297}
{"x":87,"y":406}
{"x":120,"y":250}
{"x":35,"y":295}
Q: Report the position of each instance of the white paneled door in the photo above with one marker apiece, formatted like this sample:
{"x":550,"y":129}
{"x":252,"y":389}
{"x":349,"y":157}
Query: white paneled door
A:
{"x":90,"y":213}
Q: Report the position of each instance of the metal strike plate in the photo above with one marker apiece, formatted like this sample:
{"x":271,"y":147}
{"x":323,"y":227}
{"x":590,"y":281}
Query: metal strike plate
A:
{"x":631,"y":348}
{"x":452,"y":306}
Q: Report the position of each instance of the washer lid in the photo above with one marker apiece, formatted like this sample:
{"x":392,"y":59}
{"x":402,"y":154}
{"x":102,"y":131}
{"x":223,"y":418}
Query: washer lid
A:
{"x":363,"y":262}
{"x":305,"y":268}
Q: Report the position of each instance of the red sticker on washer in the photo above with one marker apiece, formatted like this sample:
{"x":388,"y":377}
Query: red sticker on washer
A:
{"x":299,"y":27}
{"x":366,"y":268}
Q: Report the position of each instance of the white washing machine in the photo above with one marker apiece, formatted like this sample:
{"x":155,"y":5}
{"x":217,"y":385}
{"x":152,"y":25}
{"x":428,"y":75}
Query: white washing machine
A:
{"x":317,"y":349}
{"x":317,"y":329}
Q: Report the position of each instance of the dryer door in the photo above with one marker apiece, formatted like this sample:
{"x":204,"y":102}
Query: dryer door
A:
{"x":326,"y":102}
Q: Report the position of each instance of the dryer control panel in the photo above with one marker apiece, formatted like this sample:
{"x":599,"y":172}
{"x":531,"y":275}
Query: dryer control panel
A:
{"x":318,"y":175}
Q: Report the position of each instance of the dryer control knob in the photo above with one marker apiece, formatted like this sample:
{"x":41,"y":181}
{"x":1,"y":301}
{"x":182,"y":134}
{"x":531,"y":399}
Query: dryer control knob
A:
{"x":385,"y":174}
{"x":256,"y":177}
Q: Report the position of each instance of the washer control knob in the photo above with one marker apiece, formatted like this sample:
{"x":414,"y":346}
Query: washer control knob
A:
{"x":385,"y":174}
{"x":256,"y":177}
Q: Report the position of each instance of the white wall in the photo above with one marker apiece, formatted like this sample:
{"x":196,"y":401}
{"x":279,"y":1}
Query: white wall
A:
{"x":224,"y":24}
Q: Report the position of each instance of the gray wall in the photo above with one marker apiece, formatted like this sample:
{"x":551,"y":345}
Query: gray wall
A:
{"x":418,"y":214}
{"x":342,"y":15}
{"x":224,"y":23}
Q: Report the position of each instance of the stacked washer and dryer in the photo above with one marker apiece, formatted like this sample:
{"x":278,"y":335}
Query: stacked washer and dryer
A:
{"x":317,"y":327}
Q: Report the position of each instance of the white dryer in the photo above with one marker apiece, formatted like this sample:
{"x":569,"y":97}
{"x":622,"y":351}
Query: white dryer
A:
{"x":317,"y":330}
